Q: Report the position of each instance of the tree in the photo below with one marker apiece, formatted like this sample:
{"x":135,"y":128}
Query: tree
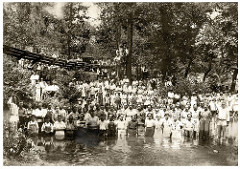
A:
{"x":16,"y":81}
{"x":219,"y":38}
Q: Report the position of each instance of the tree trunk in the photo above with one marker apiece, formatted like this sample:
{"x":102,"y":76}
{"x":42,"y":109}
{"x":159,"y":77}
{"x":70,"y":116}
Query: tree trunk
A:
{"x":234,"y":78}
{"x":69,"y":48}
{"x":164,"y":75}
{"x":137,"y":72}
{"x":69,"y":31}
{"x":130,"y":39}
{"x":118,"y":35}
{"x":188,"y":68}
{"x":206,"y":73}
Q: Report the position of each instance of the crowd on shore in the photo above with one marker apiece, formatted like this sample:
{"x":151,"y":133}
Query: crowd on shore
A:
{"x":118,"y":108}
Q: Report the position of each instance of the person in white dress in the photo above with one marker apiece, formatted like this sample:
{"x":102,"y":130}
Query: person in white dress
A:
{"x":38,"y":92}
{"x":13,"y":118}
{"x":34,"y":78}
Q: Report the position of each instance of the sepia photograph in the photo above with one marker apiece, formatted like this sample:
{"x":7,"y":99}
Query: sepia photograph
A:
{"x":120,"y":83}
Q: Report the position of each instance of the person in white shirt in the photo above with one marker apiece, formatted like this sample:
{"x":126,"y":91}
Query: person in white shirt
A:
{"x":103,"y":126}
{"x":188,"y":126}
{"x":121,"y":126}
{"x":14,"y":118}
{"x":43,"y":86}
{"x":34,"y":78}
{"x":47,"y":126}
{"x":170,"y":94}
{"x":185,"y":112}
{"x":39,"y":114}
{"x":194,"y":99}
{"x":149,"y":125}
{"x":158,"y":127}
{"x":149,"y":110}
{"x":233,"y":127}
{"x":59,"y":128}
{"x":223,"y":119}
{"x":176,"y":131}
{"x":213,"y":122}
{"x":63,"y":113}
{"x":166,"y":126}
{"x":38,"y":92}
{"x":130,"y":112}
{"x":32,"y":126}
{"x":195,"y":112}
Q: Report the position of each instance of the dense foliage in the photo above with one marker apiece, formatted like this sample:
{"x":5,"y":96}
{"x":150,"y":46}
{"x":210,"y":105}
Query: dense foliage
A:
{"x":174,"y":39}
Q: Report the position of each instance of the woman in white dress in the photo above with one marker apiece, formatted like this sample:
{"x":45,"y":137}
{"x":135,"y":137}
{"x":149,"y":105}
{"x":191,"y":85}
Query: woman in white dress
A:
{"x":38,"y":92}
{"x":158,"y":128}
{"x":13,"y":118}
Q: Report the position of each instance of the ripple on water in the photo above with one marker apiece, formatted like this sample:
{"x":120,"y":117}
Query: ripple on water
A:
{"x":133,"y":151}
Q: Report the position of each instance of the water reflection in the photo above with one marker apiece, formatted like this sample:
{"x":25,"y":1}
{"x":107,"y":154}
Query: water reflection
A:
{"x":87,"y":148}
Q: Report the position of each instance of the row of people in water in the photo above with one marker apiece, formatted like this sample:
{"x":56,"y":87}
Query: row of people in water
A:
{"x":120,"y":127}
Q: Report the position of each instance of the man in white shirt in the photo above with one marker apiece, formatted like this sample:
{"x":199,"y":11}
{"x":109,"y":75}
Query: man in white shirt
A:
{"x":121,"y":127}
{"x":213,"y":123}
{"x":223,"y":119}
{"x":39,"y":114}
{"x":148,"y":110}
{"x":130,"y":112}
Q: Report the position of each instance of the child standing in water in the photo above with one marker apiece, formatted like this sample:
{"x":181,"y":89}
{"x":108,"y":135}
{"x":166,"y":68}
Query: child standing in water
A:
{"x":176,"y":132}
{"x":32,"y":126}
{"x":47,"y":126}
{"x":189,"y":127}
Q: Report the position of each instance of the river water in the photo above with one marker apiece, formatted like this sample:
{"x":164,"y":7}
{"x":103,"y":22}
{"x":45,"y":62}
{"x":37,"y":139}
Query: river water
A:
{"x":125,"y":151}
{"x":128,"y":151}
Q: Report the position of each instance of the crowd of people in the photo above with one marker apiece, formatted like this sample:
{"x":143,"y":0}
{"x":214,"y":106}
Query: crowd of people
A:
{"x":109,"y":108}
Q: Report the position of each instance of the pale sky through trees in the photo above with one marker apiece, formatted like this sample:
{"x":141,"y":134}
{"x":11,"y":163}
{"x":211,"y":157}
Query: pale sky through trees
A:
{"x":93,"y":11}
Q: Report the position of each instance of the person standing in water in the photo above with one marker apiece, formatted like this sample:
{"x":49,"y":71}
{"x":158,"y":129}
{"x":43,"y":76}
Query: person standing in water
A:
{"x":121,"y":127}
{"x":59,"y":127}
{"x":132,"y":127}
{"x":223,"y":119}
{"x":32,"y":127}
{"x":149,"y":125}
{"x":205,"y":117}
{"x":188,"y":127}
{"x":166,"y":126}
{"x":47,"y":127}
